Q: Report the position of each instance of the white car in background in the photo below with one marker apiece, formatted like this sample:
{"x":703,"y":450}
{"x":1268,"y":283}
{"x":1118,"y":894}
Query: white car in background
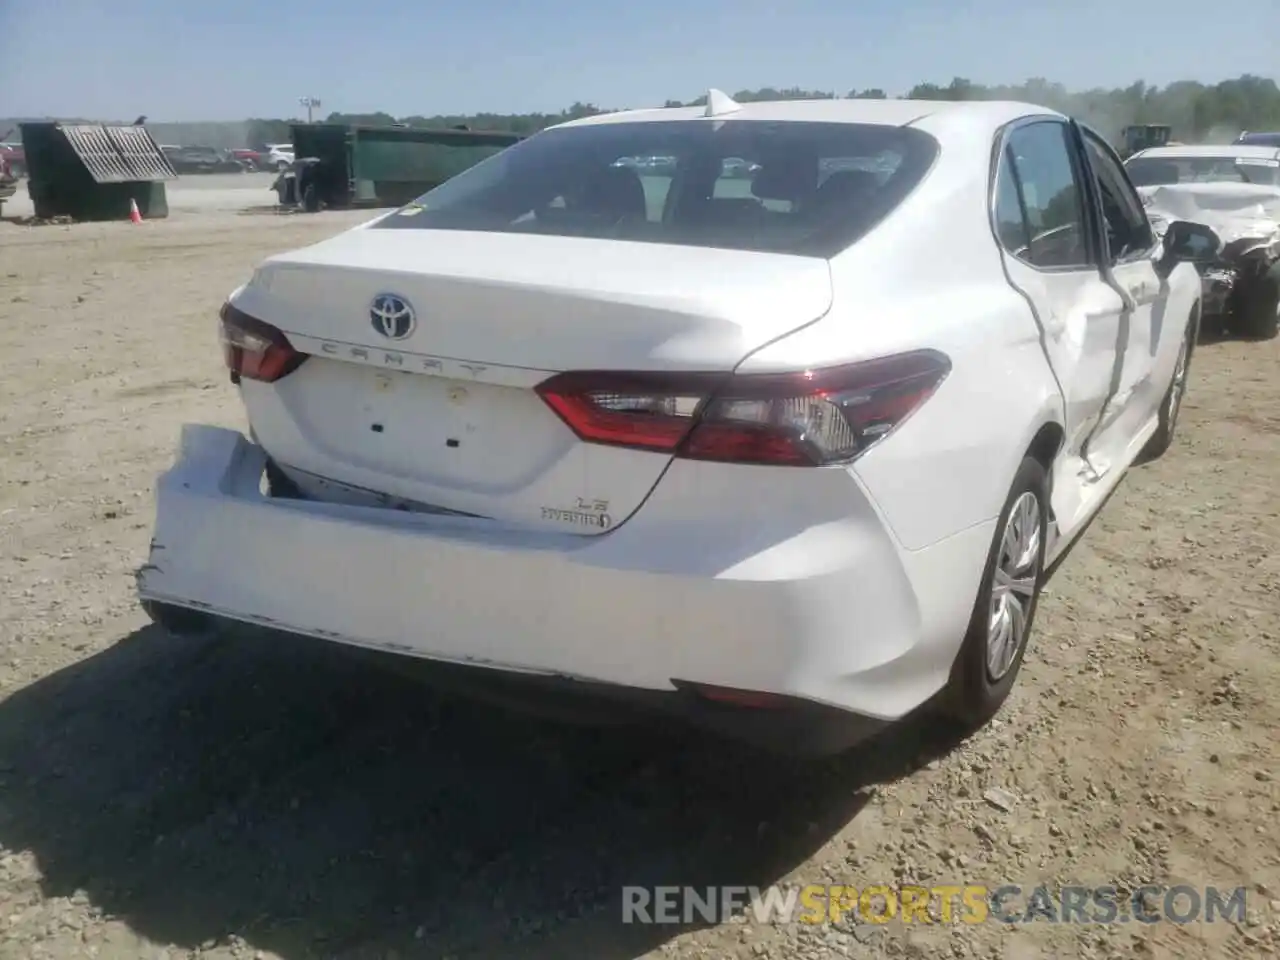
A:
{"x":1233,"y":192}
{"x":787,"y":461}
{"x":277,"y":156}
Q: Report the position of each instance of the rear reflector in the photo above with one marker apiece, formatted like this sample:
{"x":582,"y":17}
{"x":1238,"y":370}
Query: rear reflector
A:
{"x":804,"y":419}
{"x":751,"y":699}
{"x":255,"y":350}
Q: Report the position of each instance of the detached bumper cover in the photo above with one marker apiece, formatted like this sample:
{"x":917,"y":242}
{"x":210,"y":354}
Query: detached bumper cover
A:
{"x":831,"y":612}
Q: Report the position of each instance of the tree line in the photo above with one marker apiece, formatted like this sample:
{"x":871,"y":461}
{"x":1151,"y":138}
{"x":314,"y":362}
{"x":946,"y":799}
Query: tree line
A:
{"x":1198,"y":112}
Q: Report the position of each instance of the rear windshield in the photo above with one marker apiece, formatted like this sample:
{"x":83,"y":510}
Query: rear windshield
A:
{"x":787,"y":187}
{"x":1161,"y":171}
{"x":1260,"y":139}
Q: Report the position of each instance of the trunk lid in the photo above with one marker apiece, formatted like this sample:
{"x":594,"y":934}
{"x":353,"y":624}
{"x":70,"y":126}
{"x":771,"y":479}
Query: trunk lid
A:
{"x":545,"y":303}
{"x":442,"y":415}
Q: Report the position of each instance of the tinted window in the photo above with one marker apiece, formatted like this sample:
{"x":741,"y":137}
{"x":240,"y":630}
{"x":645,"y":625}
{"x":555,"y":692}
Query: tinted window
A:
{"x":806,"y":188}
{"x":1050,"y":196}
{"x":1260,"y":139}
{"x":865,"y":174}
{"x":1128,"y":229}
{"x":1010,"y":223}
{"x":428,"y":162}
{"x":1153,"y":171}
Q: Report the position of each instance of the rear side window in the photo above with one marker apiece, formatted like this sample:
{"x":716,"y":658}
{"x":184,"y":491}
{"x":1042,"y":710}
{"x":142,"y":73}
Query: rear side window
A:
{"x":1036,"y":168}
{"x":788,"y":187}
{"x":1011,"y":221}
{"x":1129,"y":234}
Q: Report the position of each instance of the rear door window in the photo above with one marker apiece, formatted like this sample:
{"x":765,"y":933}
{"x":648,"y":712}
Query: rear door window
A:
{"x":790,"y":187}
{"x":1129,"y":235}
{"x":1037,"y":168}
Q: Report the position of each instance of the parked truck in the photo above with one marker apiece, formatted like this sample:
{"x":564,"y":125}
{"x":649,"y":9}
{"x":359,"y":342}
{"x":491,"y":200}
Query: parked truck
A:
{"x":1143,"y":136}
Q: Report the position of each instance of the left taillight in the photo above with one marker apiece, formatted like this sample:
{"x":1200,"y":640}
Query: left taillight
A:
{"x":255,"y":350}
{"x":807,"y":419}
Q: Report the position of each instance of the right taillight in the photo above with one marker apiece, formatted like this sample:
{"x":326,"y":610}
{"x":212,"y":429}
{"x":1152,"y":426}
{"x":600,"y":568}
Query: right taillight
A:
{"x":255,"y":350}
{"x":806,"y":419}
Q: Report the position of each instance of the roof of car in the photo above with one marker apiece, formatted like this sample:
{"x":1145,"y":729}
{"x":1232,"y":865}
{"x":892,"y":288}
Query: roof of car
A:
{"x":1210,"y":150}
{"x":991,"y":114}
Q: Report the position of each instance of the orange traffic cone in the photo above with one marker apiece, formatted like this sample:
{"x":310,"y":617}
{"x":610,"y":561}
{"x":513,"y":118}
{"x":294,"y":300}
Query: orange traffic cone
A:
{"x":134,"y":215}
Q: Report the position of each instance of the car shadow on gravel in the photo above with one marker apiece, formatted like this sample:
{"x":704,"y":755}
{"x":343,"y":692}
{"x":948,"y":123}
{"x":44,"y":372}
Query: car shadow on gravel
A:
{"x":288,"y":794}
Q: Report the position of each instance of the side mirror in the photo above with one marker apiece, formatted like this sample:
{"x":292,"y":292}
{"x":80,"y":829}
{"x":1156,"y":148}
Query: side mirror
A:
{"x":1187,"y":242}
{"x":1193,"y":242}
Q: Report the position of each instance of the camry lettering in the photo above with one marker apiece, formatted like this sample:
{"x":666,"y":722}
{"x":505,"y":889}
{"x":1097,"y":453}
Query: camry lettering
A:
{"x":384,"y":358}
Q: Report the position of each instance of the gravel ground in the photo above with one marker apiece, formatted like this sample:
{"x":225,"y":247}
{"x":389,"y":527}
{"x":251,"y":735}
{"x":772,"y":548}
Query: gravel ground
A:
{"x":269,"y":797}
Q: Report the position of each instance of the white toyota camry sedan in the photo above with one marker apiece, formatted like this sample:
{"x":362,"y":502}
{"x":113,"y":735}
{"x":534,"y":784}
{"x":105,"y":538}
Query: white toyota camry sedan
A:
{"x":772,"y":416}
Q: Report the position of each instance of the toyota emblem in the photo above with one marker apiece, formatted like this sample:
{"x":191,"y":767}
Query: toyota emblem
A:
{"x":392,"y":316}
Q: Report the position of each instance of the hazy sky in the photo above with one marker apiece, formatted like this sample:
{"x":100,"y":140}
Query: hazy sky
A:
{"x":230,"y":59}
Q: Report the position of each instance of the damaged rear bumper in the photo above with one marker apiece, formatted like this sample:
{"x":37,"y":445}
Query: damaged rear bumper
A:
{"x":830,"y":620}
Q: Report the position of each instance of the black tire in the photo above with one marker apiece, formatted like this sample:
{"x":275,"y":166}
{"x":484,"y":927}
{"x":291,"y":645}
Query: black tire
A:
{"x":1258,"y":312}
{"x":1171,"y":403}
{"x":184,"y":624}
{"x":973,"y":694}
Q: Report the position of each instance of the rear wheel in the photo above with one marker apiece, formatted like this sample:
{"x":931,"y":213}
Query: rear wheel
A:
{"x":991,"y":655}
{"x":184,"y":624}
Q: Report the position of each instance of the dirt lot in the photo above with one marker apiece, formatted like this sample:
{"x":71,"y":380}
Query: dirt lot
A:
{"x":275,"y":798}
{"x":203,"y":193}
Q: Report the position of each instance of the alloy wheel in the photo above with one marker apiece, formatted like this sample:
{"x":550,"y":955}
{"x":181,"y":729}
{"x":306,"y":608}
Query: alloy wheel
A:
{"x":1013,"y":585}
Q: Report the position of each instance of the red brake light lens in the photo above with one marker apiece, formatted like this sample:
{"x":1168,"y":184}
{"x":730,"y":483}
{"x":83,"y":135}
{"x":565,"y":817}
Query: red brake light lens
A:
{"x":809,"y":419}
{"x":255,"y":350}
{"x":650,"y":411}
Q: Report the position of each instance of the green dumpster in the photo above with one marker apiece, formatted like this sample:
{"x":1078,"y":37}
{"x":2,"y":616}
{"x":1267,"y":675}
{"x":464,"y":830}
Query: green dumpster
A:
{"x":389,"y":166}
{"x":93,"y":171}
